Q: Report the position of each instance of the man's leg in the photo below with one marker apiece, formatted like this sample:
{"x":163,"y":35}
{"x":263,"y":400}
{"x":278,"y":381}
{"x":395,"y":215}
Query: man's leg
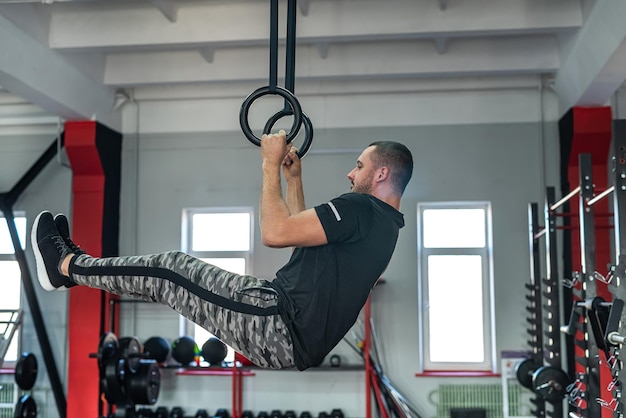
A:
{"x":240,"y":310}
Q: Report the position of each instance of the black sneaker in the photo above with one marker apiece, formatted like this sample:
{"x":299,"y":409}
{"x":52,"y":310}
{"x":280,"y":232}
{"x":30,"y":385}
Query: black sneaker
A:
{"x":63,"y":226}
{"x":50,"y":250}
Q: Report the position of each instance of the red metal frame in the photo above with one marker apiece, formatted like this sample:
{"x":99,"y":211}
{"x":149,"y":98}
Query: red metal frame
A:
{"x":368,"y":363}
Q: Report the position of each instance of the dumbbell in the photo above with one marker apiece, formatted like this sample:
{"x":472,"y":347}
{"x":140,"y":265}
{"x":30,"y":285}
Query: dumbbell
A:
{"x":263,"y":414}
{"x":221,"y":413}
{"x":247,"y":414}
{"x":290,"y":414}
{"x":177,"y":412}
{"x":161,"y":412}
{"x":145,"y":413}
{"x":323,"y":415}
{"x":336,"y":413}
{"x":276,"y":414}
{"x":202,"y":413}
{"x":305,"y":414}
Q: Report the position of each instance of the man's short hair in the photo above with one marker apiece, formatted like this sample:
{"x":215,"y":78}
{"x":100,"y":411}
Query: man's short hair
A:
{"x":397,"y":158}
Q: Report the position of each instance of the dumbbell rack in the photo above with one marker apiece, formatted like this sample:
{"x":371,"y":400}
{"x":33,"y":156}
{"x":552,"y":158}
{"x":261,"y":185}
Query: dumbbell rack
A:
{"x":545,"y":340}
{"x":585,"y":389}
{"x":617,"y":287}
{"x":534,"y":308}
{"x":598,"y":325}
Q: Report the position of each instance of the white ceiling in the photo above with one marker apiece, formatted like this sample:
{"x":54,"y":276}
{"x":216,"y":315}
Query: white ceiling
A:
{"x":76,"y":58}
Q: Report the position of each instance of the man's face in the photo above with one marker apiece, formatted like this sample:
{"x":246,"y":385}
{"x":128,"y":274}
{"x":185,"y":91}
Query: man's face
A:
{"x":362,"y":175}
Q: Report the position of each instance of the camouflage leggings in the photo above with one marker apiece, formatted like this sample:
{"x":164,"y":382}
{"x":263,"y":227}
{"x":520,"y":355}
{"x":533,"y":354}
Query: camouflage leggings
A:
{"x":240,"y":310}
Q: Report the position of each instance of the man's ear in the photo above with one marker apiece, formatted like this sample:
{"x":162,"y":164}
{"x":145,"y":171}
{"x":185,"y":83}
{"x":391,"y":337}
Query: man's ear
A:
{"x":383,"y":174}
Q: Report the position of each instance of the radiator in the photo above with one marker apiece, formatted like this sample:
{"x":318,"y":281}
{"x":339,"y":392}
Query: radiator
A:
{"x":487,"y":397}
{"x":8,"y":399}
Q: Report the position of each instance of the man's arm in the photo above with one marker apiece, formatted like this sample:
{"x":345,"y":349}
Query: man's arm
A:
{"x":279,"y":226}
{"x":292,"y":169}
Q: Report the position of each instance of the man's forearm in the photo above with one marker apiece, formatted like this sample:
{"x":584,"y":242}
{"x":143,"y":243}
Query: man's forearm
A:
{"x":273,"y":208}
{"x":295,"y":196}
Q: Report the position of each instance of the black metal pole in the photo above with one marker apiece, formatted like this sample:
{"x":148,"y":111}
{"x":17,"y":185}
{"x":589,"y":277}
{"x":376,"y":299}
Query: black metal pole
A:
{"x":552,"y":317}
{"x":35,"y":311}
{"x":536,"y":321}
{"x":617,"y":287}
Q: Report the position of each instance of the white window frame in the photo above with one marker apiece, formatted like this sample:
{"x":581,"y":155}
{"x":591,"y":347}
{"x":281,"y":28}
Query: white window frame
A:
{"x":187,"y":327}
{"x":10,"y":362}
{"x":486,"y":253}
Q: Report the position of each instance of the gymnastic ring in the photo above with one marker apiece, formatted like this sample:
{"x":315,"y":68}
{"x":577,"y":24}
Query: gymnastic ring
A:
{"x":308,"y":129}
{"x":262,"y":91}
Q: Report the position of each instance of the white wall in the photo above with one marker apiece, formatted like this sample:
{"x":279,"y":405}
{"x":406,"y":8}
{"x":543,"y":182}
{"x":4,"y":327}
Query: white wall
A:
{"x":484,"y":145}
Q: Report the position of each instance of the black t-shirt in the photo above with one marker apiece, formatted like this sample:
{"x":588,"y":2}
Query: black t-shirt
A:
{"x":322,"y":289}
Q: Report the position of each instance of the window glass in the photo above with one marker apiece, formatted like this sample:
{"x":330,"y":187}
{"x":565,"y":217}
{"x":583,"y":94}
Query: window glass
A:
{"x":236,"y":265}
{"x":6,"y":244}
{"x":221,"y":232}
{"x":449,"y":228}
{"x":456,"y":306}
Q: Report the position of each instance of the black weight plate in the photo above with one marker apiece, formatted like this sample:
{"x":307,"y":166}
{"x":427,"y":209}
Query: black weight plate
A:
{"x":177,"y":412}
{"x":161,"y":412}
{"x":145,"y":413}
{"x":143,"y":386}
{"x":524,"y":372}
{"x":25,"y":408}
{"x":26,"y":371}
{"x":113,"y":381}
{"x":201,"y":413}
{"x":131,"y":349}
{"x":550,"y":383}
{"x":222,"y":413}
{"x":107,"y":349}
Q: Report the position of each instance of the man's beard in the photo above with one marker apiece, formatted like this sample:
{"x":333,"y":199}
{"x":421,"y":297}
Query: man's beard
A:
{"x":364,"y":186}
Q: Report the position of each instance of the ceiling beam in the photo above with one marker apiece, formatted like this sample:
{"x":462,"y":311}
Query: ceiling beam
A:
{"x":207,"y":53}
{"x":505,"y":56}
{"x":322,"y":47}
{"x":303,"y":5}
{"x":41,"y":76}
{"x":234,"y":24}
{"x":595,"y":66}
{"x":168,"y":8}
{"x":441,"y":44}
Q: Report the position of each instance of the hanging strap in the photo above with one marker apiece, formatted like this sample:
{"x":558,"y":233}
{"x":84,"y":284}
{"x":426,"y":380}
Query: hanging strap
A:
{"x":292,"y":106}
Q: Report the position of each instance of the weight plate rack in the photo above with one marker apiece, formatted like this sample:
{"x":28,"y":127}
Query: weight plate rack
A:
{"x":525,"y":369}
{"x":547,"y":379}
{"x":617,"y":285}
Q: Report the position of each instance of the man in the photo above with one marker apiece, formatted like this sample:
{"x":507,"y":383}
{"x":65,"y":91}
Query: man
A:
{"x":341,"y":249}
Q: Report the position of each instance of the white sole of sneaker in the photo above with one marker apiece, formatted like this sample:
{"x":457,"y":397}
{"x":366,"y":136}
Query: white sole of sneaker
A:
{"x":42,"y":273}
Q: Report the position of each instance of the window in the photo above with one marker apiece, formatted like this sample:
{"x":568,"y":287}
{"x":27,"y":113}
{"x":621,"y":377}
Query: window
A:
{"x":10,"y":277}
{"x":222,"y":237}
{"x":455,"y":286}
